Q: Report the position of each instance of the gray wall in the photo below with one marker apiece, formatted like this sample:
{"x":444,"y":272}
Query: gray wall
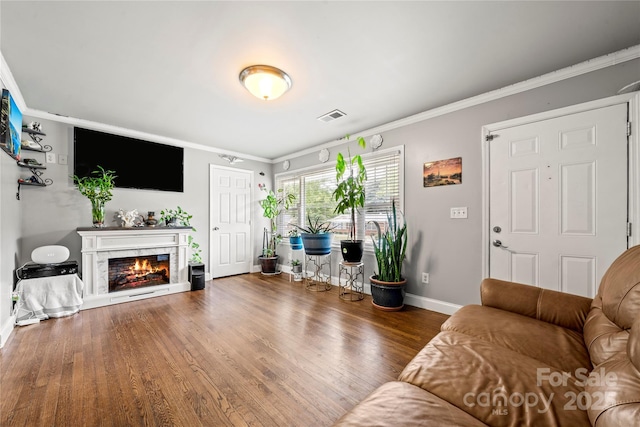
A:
{"x":10,"y":228}
{"x":52,"y":214}
{"x":451,"y":250}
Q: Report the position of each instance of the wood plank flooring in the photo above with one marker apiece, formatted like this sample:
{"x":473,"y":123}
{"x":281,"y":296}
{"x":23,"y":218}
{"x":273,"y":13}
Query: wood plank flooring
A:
{"x":246,"y":350}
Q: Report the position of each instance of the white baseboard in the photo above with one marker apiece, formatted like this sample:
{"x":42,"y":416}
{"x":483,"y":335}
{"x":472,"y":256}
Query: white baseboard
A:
{"x":431,"y":304}
{"x":7,"y":329}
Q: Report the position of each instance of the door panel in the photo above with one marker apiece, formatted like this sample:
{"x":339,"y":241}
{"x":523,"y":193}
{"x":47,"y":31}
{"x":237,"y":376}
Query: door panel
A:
{"x":558,"y":195}
{"x":230,"y":221}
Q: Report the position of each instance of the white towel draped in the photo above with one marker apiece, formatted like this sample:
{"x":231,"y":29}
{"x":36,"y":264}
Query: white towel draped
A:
{"x":46,"y":297}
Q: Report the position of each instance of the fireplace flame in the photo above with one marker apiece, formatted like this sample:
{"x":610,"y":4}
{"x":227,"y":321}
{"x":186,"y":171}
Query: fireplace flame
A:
{"x":142,"y":268}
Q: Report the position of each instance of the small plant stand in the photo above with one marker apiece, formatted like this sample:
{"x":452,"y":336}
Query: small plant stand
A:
{"x":318,"y":281}
{"x":353,"y":288}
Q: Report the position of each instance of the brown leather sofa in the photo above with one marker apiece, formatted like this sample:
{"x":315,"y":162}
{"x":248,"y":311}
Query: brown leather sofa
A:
{"x":525,"y":357}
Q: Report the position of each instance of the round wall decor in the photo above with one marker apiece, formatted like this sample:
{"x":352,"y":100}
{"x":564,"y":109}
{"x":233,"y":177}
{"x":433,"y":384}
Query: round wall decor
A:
{"x":286,"y":165}
{"x":324,"y":155}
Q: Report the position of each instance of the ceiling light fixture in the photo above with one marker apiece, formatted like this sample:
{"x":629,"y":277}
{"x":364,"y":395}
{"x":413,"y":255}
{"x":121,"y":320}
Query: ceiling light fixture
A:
{"x":231,"y":159}
{"x":265,"y":82}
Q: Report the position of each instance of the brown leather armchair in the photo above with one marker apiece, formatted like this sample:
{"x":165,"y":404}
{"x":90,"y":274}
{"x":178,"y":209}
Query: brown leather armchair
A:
{"x":526,"y":357}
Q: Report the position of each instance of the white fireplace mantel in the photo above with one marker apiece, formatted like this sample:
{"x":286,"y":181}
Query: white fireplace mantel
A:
{"x":100,"y":244}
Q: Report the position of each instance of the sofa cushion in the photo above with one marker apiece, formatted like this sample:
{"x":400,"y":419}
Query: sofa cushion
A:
{"x":614,"y":308}
{"x":401,"y":404}
{"x":619,"y":291}
{"x":496,"y":385}
{"x":553,"y":345}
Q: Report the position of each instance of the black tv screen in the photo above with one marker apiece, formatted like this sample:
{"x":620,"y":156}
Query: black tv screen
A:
{"x":136,"y":163}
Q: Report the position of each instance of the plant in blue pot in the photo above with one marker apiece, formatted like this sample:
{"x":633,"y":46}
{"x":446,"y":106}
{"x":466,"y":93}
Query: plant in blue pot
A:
{"x":295,"y":240}
{"x":316,"y":236}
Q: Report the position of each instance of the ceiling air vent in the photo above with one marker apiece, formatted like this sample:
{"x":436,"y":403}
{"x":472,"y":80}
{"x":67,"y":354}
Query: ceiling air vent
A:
{"x":331,"y":116}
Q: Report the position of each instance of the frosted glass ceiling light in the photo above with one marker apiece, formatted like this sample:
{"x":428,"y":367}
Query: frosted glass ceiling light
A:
{"x":265,"y":82}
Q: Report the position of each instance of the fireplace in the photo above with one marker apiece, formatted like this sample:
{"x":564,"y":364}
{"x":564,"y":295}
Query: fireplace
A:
{"x":165,"y":248}
{"x":138,"y":272}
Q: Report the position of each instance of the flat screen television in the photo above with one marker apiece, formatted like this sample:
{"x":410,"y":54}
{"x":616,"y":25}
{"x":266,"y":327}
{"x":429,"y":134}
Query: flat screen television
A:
{"x":136,"y":163}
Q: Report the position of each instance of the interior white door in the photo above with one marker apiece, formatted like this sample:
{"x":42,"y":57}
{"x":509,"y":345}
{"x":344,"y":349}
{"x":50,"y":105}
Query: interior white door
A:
{"x":230,"y":233}
{"x":558,"y":200}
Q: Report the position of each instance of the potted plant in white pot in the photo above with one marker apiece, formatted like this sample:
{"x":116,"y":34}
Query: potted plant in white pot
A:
{"x":272,"y":206}
{"x":388,"y":284}
{"x":351,"y":176}
{"x":98,"y":188}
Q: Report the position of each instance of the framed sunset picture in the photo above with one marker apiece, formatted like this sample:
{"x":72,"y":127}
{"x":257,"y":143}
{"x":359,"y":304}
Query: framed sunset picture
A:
{"x":443,"y":172}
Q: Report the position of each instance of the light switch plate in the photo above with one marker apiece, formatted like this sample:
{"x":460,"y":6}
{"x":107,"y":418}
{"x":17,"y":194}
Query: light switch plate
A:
{"x":51,"y":158}
{"x":459,"y":213}
{"x":62,"y":159}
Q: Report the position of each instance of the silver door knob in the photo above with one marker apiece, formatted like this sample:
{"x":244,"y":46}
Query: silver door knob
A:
{"x":215,"y":228}
{"x":498,"y":244}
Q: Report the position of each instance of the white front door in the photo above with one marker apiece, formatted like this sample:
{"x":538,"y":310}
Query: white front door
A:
{"x":230,"y":209}
{"x":558,"y":200}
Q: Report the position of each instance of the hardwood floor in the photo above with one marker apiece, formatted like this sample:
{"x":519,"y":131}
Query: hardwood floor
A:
{"x":247,"y":350}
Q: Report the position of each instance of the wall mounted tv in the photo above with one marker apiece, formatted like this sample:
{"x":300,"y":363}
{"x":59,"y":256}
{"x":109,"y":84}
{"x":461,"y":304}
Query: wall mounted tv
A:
{"x":137,"y":163}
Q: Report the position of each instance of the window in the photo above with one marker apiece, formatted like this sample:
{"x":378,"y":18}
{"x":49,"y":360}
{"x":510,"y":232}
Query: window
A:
{"x":314,"y":189}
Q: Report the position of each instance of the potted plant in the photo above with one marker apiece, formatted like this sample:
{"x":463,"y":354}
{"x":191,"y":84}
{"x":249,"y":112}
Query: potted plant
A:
{"x":180,"y":217}
{"x":272,"y":206}
{"x":98,"y":188}
{"x":350,"y":195}
{"x":388,"y":284}
{"x":316,"y":236}
{"x":296,"y":266}
{"x":295,"y":240}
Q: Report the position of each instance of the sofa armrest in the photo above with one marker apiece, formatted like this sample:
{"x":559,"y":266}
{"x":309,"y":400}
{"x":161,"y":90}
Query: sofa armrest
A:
{"x":558,"y":308}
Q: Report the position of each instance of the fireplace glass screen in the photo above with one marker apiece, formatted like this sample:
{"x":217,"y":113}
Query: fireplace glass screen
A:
{"x":138,"y":272}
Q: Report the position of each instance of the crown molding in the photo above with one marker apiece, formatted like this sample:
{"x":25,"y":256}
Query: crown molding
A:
{"x":585,"y":67}
{"x":137,"y":134}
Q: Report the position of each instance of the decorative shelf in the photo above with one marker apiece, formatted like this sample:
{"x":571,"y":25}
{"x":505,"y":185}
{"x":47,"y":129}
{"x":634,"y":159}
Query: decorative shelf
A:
{"x":28,"y":166}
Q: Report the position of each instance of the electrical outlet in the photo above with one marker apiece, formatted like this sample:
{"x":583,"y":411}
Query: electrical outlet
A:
{"x":425,"y":278}
{"x":459,"y":213}
{"x":51,"y":157}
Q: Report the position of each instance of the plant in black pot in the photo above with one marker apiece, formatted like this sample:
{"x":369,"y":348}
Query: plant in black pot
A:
{"x":316,"y":236}
{"x":350,"y":195}
{"x":272,"y":206}
{"x":388,"y":285}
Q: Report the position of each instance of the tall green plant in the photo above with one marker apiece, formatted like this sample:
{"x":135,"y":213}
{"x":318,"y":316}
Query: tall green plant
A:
{"x":390,"y":248}
{"x":98,"y":186}
{"x":350,"y":192}
{"x":272,"y":206}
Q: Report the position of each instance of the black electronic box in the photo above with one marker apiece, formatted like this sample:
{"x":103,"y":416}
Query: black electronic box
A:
{"x":31,"y":270}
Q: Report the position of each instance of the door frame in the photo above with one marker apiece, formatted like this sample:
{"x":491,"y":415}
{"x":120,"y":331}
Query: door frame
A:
{"x":251,"y":210}
{"x":633,"y":212}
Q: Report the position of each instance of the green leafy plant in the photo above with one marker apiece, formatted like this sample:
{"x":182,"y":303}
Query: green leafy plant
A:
{"x":98,"y":188}
{"x":295,"y":262}
{"x":315,"y":226}
{"x":350,"y":192}
{"x":272,"y":206}
{"x":177,"y":216}
{"x":390,"y":248}
{"x":182,"y":218}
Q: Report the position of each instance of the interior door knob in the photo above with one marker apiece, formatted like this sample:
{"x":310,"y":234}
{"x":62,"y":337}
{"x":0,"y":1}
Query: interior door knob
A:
{"x":498,"y":244}
{"x":215,"y":228}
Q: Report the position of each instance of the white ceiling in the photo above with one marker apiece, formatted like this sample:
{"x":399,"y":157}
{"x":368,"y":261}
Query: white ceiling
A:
{"x":171,"y":68}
